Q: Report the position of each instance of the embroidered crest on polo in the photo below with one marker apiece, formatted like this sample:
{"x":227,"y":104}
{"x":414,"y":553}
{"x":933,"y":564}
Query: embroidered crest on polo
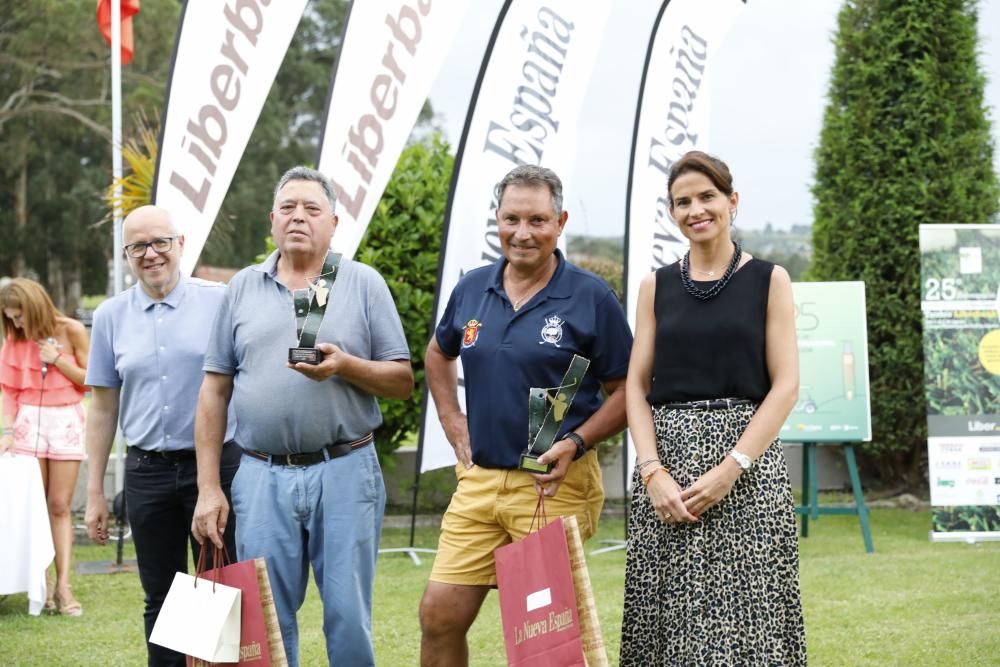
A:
{"x":552,"y":330}
{"x":471,"y":334}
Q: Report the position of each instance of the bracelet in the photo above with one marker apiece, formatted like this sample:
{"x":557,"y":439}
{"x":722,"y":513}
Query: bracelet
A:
{"x":648,"y":476}
{"x":8,"y":431}
{"x":645,"y":463}
{"x":55,"y":361}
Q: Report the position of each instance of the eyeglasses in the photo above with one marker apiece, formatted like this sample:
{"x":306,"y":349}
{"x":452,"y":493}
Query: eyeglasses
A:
{"x":159,"y":246}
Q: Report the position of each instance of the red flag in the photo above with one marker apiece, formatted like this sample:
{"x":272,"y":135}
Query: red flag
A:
{"x":129,"y":9}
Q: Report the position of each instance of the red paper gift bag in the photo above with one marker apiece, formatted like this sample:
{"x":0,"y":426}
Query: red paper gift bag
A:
{"x":260,"y":636}
{"x":538,"y":601}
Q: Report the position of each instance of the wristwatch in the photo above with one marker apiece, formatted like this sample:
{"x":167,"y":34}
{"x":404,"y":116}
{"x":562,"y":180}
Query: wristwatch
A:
{"x":581,"y":446}
{"x":742,"y":459}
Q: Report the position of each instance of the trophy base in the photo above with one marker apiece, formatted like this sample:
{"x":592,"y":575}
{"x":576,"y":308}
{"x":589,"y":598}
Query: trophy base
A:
{"x":305,"y":355}
{"x":529,"y":462}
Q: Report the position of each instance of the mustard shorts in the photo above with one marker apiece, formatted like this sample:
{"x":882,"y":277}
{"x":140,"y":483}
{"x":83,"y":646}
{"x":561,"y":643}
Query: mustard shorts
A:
{"x":492,"y":507}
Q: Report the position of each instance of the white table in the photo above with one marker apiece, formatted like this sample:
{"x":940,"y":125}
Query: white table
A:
{"x":25,"y":530}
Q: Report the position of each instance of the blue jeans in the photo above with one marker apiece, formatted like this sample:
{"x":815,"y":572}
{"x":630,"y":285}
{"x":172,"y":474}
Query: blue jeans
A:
{"x":328,"y":514}
{"x":160,"y":495}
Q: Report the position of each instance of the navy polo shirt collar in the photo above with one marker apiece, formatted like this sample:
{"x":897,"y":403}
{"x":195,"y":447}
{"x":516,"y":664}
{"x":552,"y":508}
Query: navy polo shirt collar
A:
{"x":172,"y":299}
{"x":558,"y":287}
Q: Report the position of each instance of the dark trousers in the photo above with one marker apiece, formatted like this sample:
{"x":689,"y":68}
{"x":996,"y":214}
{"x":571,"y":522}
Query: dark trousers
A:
{"x":161,"y":494}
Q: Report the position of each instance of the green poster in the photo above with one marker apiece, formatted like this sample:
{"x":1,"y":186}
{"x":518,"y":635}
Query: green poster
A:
{"x":960,"y":297}
{"x":833,"y":403}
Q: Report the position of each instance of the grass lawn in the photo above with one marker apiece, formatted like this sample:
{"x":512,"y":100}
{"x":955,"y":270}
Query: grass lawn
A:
{"x":910,"y":603}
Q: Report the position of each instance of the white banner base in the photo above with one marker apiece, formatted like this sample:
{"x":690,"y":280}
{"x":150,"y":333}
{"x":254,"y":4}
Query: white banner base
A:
{"x":971,"y":537}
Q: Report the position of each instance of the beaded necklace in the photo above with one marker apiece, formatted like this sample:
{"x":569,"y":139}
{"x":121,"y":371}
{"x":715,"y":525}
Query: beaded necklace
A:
{"x":713,"y":291}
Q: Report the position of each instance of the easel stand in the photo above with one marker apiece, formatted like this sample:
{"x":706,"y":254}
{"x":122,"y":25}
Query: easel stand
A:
{"x":810,"y":509}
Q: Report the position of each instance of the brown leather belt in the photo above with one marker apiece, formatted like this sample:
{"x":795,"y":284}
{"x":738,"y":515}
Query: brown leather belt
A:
{"x":303,"y":459}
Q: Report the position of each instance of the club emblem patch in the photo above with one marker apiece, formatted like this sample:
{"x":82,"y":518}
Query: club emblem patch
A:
{"x":471,"y":334}
{"x":552,"y":331}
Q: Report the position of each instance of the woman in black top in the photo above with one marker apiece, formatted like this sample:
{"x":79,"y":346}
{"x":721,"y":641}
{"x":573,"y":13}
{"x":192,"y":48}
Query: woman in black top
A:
{"x":712,"y":564}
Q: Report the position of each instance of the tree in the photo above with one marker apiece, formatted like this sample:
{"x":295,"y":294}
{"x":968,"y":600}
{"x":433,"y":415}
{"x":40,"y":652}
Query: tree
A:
{"x":55,"y":135}
{"x":402,"y":243}
{"x":905,"y":141}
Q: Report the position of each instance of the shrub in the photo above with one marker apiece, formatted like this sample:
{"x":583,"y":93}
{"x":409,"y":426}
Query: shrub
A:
{"x":905,"y":141}
{"x":402,"y":243}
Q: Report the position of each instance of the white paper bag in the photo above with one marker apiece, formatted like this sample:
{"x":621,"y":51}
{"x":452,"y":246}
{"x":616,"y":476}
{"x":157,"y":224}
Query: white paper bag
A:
{"x":198,"y":621}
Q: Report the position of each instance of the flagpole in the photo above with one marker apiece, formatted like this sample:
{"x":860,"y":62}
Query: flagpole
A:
{"x":116,"y":171}
{"x":116,"y":136}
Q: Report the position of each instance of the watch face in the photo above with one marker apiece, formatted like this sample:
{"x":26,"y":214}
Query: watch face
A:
{"x":742,"y":459}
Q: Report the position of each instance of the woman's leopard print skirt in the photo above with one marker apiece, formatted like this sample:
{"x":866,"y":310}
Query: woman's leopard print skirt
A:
{"x":724,"y":590}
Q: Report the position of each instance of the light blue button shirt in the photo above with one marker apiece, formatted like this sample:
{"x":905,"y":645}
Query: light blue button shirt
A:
{"x":153,"y":351}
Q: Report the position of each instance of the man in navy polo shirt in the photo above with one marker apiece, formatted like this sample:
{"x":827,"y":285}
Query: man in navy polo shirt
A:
{"x":517,"y":326}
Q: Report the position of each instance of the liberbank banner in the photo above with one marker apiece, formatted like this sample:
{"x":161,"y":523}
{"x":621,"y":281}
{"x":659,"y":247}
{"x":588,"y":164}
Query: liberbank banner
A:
{"x":960,"y":300}
{"x":226,"y":56}
{"x":391,"y":54}
{"x":524,"y":110}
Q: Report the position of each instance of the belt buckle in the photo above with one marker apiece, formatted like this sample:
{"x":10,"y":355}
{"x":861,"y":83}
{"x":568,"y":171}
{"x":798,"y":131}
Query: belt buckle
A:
{"x":290,"y":460}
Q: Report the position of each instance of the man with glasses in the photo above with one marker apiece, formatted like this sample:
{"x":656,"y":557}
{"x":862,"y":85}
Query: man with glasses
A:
{"x":309,"y":490}
{"x":147,"y":348}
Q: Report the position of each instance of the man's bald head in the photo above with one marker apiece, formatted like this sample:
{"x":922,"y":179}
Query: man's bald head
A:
{"x":146,"y":215}
{"x":149,"y":230}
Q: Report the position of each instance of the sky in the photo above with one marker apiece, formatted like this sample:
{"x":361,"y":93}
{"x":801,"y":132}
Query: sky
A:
{"x":768,"y":95}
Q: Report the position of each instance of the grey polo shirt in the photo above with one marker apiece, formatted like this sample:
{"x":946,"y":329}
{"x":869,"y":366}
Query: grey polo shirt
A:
{"x":279,"y":410}
{"x":153,"y":352}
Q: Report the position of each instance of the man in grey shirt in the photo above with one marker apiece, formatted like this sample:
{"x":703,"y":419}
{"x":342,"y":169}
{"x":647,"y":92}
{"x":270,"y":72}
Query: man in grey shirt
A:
{"x":309,"y":489}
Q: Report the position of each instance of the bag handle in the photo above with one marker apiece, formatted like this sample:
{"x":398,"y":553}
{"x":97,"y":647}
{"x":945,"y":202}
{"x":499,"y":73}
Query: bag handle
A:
{"x":539,"y":515}
{"x":220,"y":558}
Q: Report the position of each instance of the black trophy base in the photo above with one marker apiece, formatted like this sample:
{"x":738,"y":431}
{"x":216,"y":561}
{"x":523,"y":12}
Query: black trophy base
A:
{"x":529,"y":462}
{"x":305,"y":355}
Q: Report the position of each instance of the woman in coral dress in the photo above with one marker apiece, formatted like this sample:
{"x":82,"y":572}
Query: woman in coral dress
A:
{"x":42,"y":366}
